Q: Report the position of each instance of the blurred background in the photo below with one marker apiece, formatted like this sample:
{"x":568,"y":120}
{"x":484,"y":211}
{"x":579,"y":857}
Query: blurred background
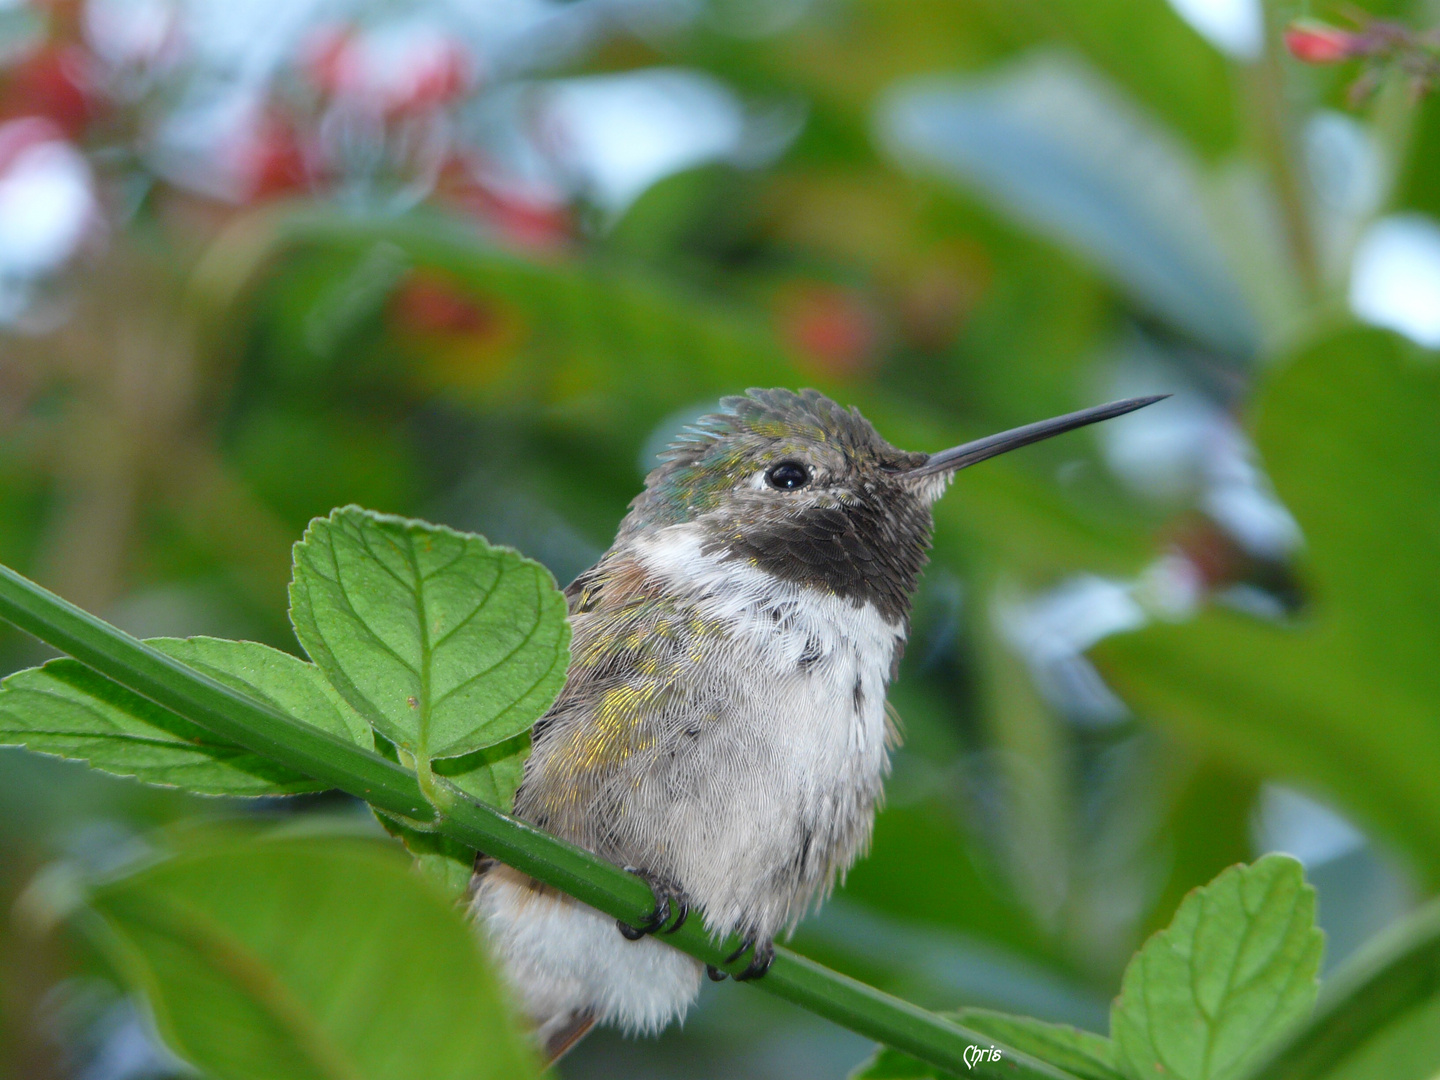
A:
{"x":477,"y":260}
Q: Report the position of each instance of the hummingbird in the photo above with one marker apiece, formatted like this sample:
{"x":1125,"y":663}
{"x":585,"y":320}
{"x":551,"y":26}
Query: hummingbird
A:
{"x":723,"y":729}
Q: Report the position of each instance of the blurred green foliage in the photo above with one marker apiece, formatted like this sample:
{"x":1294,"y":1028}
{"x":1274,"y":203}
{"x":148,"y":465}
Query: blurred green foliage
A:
{"x":1205,"y":998}
{"x":257,"y":961}
{"x":1354,"y":679}
{"x":222,"y":374}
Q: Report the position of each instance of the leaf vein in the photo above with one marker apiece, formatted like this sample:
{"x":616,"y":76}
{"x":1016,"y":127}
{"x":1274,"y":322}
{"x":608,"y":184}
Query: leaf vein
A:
{"x":534,"y":628}
{"x":479,"y":607}
{"x":359,"y":621}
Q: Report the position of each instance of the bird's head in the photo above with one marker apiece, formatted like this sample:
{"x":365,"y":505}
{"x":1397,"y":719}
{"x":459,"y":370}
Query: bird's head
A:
{"x":809,"y":491}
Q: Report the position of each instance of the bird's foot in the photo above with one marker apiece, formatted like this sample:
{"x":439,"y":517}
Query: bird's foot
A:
{"x":760,"y":962}
{"x":669,"y":900}
{"x":762,"y":956}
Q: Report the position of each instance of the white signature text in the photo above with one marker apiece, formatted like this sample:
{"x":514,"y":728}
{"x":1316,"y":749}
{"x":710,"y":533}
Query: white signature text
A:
{"x":974,"y":1055}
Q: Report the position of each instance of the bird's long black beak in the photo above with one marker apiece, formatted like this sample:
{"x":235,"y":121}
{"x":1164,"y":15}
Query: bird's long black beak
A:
{"x":960,"y":457}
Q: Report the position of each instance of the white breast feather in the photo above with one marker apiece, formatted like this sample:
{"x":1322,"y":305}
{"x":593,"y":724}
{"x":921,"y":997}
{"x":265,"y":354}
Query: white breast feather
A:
{"x":801,"y":751}
{"x":821,"y":753}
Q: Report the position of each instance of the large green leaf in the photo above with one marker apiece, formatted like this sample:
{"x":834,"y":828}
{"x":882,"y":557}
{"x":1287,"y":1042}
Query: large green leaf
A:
{"x":446,"y":644}
{"x":841,"y":60}
{"x":1378,"y":1017}
{"x":1346,"y":699}
{"x":309,"y":958}
{"x":1148,"y":49}
{"x":1235,"y":968}
{"x":69,"y":710}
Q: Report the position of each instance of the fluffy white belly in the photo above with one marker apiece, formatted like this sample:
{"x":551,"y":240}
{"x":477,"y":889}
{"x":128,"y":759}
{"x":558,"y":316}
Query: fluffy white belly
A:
{"x":791,"y":782}
{"x":564,"y":959}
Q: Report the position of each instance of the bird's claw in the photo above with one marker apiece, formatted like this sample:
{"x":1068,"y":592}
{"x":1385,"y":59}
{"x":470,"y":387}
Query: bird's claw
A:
{"x":658,"y":918}
{"x":746,"y":945}
{"x":760,"y":960}
{"x":667,"y":900}
{"x":684,"y":906}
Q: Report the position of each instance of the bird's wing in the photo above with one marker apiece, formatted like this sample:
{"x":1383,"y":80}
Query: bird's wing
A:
{"x":630,"y":691}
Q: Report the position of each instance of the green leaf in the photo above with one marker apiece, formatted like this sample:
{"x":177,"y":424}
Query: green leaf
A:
{"x":283,"y":681}
{"x":309,"y":958}
{"x":1204,"y":998}
{"x":67,"y":709}
{"x":445,"y":644}
{"x":1378,"y":1016}
{"x":1235,"y":968}
{"x":1345,"y":698}
{"x":1081,"y":1054}
{"x":491,"y":774}
{"x":448,"y":863}
{"x":1147,"y":48}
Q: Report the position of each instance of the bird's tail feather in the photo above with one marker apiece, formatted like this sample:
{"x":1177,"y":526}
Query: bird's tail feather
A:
{"x":559,"y":1034}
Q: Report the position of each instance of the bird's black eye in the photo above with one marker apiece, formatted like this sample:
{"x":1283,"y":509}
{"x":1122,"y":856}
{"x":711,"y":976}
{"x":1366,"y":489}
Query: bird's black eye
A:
{"x":787,"y":475}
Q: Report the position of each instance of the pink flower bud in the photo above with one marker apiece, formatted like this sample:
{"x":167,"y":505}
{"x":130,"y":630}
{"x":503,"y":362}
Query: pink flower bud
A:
{"x":1317,"y":43}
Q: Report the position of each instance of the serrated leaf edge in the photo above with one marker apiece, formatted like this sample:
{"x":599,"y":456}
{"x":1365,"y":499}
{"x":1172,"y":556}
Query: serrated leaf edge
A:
{"x":302,"y":610}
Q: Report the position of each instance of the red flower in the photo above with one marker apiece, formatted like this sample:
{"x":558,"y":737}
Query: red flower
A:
{"x":274,"y":160}
{"x":834,"y":330}
{"x":52,"y":82}
{"x":1317,"y":43}
{"x":428,"y":304}
{"x":529,"y":218}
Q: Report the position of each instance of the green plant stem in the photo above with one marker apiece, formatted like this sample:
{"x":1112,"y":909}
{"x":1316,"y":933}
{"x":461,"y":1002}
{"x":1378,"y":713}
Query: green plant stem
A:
{"x":1264,"y":91}
{"x":396,"y":789}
